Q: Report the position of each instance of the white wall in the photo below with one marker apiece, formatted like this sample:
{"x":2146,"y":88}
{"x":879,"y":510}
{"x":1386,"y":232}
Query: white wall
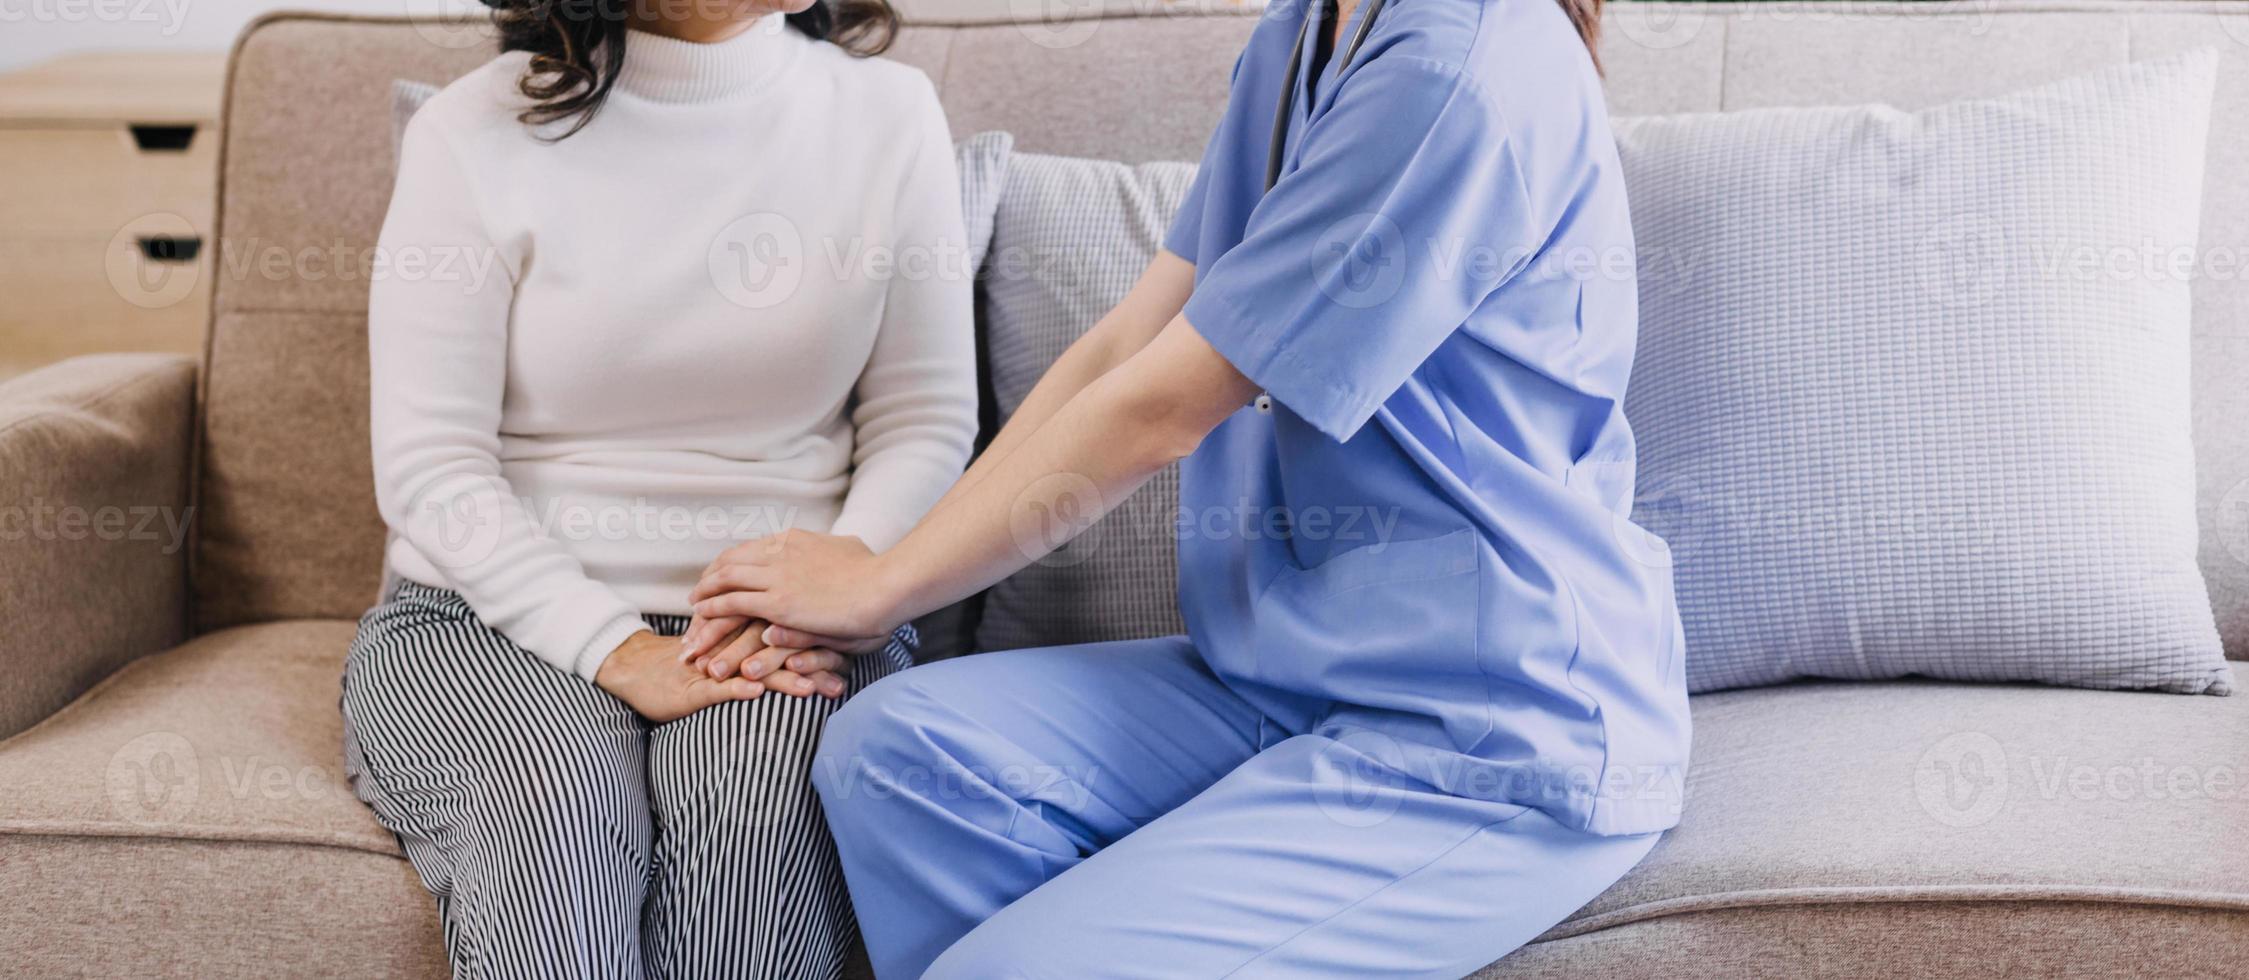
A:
{"x":35,"y":30}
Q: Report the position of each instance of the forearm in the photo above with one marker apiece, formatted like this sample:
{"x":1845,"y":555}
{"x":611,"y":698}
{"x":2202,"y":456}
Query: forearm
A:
{"x":1154,"y":300}
{"x":1092,"y":452}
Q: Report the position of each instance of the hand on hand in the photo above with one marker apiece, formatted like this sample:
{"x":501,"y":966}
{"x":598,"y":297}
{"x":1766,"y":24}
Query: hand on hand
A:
{"x":820,"y":592}
{"x":789,"y":670}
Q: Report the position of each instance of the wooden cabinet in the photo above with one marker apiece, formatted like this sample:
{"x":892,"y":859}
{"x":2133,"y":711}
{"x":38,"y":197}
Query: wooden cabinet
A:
{"x":108,"y":169}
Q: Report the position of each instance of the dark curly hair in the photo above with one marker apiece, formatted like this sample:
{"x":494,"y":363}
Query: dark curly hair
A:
{"x":578,"y":46}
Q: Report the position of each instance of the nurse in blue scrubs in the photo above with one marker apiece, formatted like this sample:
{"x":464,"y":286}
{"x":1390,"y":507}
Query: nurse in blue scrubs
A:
{"x":1431,"y":698}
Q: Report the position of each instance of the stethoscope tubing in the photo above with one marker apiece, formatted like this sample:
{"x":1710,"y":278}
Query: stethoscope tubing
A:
{"x":1276,"y":149}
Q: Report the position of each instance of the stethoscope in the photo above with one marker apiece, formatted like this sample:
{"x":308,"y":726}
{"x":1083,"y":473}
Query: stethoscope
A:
{"x":1277,"y":148}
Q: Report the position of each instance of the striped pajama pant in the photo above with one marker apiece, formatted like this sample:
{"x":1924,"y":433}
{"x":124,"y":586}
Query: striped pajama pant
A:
{"x":565,"y":836}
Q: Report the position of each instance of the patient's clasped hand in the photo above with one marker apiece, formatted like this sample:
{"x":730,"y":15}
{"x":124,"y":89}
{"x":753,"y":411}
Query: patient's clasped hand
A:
{"x":800,"y":575}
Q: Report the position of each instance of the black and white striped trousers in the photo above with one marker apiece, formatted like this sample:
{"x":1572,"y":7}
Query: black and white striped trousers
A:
{"x":565,"y":836}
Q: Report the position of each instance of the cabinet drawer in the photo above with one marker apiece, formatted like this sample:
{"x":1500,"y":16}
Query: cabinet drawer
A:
{"x":136,"y":291}
{"x":85,"y":182}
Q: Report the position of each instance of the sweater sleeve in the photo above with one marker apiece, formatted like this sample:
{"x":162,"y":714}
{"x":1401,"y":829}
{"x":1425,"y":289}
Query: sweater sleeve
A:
{"x":914,"y":407}
{"x":437,"y":335}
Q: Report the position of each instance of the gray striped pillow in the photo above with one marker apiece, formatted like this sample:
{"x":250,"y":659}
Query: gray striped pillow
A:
{"x":1068,"y":240}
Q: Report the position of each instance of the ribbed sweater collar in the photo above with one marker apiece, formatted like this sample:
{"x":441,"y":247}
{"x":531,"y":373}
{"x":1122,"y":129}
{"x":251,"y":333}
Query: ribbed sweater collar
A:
{"x":663,"y":69}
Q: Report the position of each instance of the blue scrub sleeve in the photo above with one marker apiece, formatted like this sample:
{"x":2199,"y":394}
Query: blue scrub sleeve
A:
{"x":1186,"y":232}
{"x":1406,"y":209}
{"x":1185,"y":235}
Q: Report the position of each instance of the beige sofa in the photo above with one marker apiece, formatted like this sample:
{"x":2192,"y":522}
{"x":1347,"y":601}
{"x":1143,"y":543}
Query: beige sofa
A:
{"x":171,"y":800}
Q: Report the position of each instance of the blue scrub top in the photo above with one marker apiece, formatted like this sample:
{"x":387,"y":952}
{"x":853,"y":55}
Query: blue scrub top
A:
{"x":1418,"y":539}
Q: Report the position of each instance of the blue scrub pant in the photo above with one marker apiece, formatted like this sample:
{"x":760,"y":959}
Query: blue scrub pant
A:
{"x":1115,"y":810}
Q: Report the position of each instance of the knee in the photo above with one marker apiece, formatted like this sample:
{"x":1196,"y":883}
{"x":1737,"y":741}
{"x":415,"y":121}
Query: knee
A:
{"x":989,"y":953}
{"x":877,"y":735}
{"x":573,"y":776}
{"x":739,"y":750}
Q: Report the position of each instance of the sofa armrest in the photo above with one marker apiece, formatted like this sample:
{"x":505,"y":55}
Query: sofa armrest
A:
{"x":94,"y":512}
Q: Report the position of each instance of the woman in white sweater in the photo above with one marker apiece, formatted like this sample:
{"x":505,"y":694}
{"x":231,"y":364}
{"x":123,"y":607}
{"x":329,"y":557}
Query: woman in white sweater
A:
{"x":662,"y":277}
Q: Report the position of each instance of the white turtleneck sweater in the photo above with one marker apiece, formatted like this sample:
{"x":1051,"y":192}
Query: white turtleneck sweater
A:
{"x":736,"y":301}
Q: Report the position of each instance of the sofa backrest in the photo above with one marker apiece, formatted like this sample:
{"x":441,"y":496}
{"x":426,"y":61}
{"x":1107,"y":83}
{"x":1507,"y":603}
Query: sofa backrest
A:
{"x":288,"y":527}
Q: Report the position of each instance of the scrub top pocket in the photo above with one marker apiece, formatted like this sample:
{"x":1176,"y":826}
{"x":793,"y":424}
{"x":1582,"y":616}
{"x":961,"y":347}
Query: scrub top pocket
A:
{"x":1391,"y":625}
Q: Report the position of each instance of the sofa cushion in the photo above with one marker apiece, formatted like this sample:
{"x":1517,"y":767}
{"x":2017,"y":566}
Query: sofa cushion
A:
{"x":1825,"y":821}
{"x":1822,"y":821}
{"x":96,"y":501}
{"x":189,"y":817}
{"x":1899,"y":412}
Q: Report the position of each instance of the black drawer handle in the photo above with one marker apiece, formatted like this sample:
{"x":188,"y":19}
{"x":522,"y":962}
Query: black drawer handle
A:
{"x":163,"y":139}
{"x":160,"y":248}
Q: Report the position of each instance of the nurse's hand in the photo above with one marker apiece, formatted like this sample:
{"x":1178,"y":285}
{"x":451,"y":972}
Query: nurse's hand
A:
{"x":811,"y":586}
{"x":793,"y":671}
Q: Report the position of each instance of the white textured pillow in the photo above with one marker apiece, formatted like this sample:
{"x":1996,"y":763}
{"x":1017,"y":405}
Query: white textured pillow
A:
{"x":1911,"y":399}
